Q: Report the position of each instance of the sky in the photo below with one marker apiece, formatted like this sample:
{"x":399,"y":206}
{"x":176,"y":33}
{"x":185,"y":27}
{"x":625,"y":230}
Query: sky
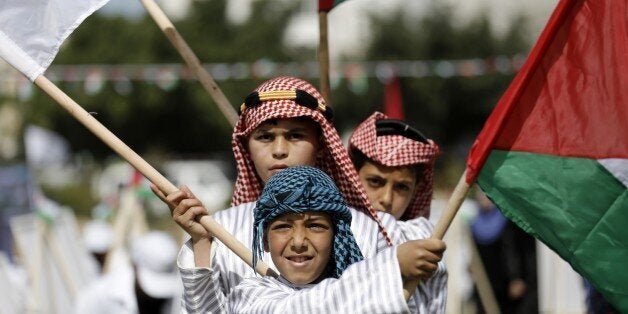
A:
{"x":350,"y":29}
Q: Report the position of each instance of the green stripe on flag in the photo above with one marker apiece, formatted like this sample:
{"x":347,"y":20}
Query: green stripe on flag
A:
{"x":574,"y":205}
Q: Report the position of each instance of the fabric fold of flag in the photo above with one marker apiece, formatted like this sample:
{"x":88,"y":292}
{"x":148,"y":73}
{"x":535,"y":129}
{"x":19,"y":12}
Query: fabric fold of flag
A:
{"x":553,"y":155}
{"x":31,"y":32}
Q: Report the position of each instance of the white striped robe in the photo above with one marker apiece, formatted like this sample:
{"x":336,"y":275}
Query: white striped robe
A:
{"x":270,"y":295}
{"x":206,"y":289}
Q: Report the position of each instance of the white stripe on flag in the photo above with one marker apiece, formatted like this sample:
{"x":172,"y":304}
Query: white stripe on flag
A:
{"x":617,"y":167}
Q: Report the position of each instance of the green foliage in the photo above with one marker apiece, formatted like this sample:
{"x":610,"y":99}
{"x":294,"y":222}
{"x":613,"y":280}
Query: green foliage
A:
{"x":184,"y":120}
{"x":446,"y":108}
{"x":451,"y":110}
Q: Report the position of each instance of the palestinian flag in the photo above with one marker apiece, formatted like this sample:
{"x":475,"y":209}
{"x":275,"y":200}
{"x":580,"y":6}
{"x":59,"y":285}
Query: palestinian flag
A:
{"x":553,"y":155}
{"x":327,"y":5}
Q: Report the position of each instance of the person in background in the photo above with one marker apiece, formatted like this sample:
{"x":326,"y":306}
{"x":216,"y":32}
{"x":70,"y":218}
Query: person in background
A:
{"x":595,"y":301}
{"x":98,"y":238}
{"x":395,"y":163}
{"x":509,"y":257}
{"x":149,"y":284}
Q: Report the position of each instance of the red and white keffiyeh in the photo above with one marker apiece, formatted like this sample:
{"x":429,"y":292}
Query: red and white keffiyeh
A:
{"x":334,"y":161}
{"x":397,"y":151}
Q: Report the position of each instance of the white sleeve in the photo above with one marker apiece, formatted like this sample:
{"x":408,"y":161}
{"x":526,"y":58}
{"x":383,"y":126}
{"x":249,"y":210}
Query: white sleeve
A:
{"x":415,"y":229}
{"x":431,"y":294}
{"x":205,"y":289}
{"x":202,"y":289}
{"x":361,"y":289}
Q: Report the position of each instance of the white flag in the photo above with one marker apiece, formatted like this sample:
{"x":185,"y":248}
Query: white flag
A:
{"x":31,"y":31}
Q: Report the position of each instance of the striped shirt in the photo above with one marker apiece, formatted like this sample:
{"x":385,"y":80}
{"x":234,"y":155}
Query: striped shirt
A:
{"x":431,"y":295}
{"x":206,"y":289}
{"x":270,"y":295}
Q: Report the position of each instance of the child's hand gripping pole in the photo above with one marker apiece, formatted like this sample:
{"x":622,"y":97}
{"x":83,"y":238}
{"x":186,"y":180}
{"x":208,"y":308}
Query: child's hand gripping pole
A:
{"x":143,"y":167}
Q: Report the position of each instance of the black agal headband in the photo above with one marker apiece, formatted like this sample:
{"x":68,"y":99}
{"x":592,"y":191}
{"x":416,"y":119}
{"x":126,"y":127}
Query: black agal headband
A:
{"x":398,"y":127}
{"x":299,"y":96}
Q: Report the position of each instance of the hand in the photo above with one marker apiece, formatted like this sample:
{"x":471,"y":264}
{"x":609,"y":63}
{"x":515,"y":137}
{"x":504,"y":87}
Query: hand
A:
{"x":186,"y":211}
{"x":418,"y":259}
{"x":162,"y":197}
{"x":516,"y":288}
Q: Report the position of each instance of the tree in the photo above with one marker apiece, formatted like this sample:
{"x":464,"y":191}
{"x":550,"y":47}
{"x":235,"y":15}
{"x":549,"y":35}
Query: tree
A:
{"x":183,"y":118}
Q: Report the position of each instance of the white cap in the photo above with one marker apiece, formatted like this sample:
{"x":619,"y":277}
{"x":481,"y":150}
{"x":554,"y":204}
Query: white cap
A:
{"x":97,"y":236}
{"x":154,"y":255}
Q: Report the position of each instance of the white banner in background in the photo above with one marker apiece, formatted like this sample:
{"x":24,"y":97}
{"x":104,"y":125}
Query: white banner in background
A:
{"x":31,"y":31}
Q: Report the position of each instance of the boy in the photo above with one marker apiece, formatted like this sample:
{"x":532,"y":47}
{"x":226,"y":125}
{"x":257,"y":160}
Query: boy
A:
{"x":283,"y":123}
{"x":395,"y":163}
{"x":302,"y":220}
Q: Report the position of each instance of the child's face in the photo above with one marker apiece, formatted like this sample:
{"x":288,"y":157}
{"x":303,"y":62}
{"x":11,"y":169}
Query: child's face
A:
{"x":389,"y":189}
{"x":300,"y":245}
{"x":278,"y":144}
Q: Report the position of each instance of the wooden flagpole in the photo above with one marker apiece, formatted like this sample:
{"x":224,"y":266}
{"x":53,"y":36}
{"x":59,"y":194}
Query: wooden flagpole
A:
{"x":50,"y":238}
{"x":456,"y":199}
{"x":191,"y":60}
{"x":323,"y":57}
{"x":36,"y":267}
{"x":130,"y":218}
{"x":480,"y":277}
{"x":121,"y":225}
{"x":454,"y":203}
{"x":145,"y":169}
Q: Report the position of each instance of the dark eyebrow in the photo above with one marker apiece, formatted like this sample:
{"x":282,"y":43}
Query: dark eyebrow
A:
{"x":317,"y":218}
{"x":298,"y":129}
{"x":407,"y":182}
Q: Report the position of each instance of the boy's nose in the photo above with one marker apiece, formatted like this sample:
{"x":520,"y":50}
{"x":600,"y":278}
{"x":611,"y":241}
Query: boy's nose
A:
{"x":299,"y":242}
{"x":280,"y":148}
{"x":385,"y":198}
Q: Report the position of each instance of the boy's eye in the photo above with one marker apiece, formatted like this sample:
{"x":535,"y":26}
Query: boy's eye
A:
{"x":375,"y":182}
{"x":318,"y":226}
{"x":281,"y":226}
{"x":264,"y":137}
{"x":403,"y":187}
{"x":295,"y":136}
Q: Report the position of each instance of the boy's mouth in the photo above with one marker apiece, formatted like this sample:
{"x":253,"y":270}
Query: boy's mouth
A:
{"x":299,"y":258}
{"x":278,"y":167}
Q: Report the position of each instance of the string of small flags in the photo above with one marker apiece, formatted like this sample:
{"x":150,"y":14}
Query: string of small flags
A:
{"x":93,"y":77}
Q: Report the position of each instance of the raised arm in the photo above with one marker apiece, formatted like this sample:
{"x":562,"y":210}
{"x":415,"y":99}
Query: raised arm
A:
{"x":186,"y":210}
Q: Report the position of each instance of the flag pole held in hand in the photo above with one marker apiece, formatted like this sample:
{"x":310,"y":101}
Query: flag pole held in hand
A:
{"x":30,"y":45}
{"x":324,"y":6}
{"x":146,"y":169}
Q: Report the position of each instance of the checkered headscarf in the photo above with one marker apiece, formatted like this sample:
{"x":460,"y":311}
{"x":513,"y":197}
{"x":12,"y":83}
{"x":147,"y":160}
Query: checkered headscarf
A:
{"x":334,"y":160}
{"x":396,"y":151}
{"x":307,"y":189}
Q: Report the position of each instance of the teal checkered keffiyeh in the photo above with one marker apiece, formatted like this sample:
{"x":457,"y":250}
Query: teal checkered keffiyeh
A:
{"x":302,"y":189}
